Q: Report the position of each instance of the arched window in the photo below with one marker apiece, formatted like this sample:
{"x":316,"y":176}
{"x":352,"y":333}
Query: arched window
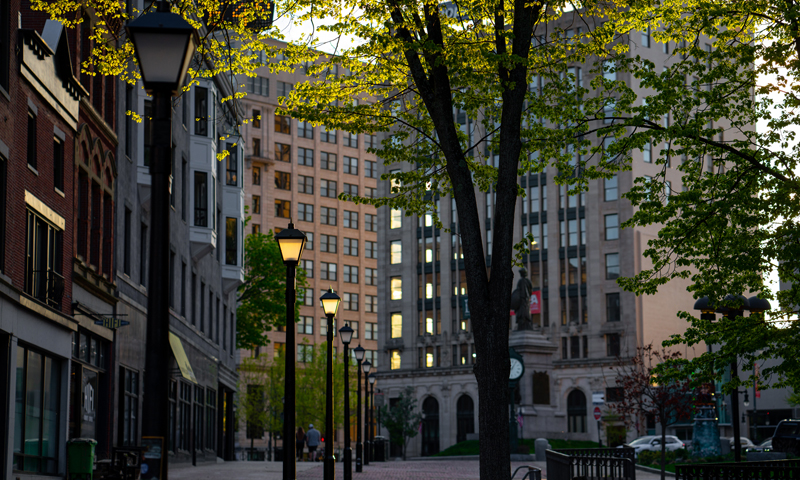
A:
{"x":541,"y":388}
{"x":465,"y":416}
{"x":430,"y":427}
{"x":576,"y":412}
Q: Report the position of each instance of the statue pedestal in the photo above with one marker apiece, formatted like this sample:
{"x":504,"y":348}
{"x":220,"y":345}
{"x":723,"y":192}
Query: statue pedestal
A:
{"x":537,"y":356}
{"x":705,"y":435}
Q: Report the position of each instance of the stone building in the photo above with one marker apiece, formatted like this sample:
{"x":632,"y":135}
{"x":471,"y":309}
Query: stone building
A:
{"x":584,"y":320}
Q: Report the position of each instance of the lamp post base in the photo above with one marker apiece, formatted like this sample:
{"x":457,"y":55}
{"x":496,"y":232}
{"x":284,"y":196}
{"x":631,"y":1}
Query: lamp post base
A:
{"x":328,"y":469}
{"x":348,"y":463}
{"x":359,"y":465}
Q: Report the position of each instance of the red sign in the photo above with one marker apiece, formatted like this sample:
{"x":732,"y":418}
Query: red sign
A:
{"x":536,"y":300}
{"x":597,"y":413}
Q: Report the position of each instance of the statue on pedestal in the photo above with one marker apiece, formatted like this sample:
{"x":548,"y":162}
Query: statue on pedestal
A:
{"x":521,"y":301}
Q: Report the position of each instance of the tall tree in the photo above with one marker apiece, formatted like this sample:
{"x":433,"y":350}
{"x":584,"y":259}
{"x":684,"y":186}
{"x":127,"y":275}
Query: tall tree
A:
{"x":643,"y":394}
{"x":262,"y":296}
{"x":401,"y":420}
{"x":723,"y":112}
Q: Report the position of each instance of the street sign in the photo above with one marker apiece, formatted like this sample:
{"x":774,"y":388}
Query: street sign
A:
{"x":379,"y":401}
{"x":598,"y":398}
{"x":597,"y":413}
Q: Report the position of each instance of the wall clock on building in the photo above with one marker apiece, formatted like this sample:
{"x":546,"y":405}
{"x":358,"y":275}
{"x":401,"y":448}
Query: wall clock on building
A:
{"x":517,"y":368}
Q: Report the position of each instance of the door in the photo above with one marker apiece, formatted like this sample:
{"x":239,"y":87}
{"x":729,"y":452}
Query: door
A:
{"x":430,"y":427}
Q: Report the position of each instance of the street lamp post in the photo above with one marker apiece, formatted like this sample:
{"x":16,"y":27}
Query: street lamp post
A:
{"x":346,"y":334}
{"x":330,"y":303}
{"x":366,"y":367}
{"x":291,"y":243}
{"x":164,"y":44}
{"x":371,"y":379}
{"x":359,"y":351}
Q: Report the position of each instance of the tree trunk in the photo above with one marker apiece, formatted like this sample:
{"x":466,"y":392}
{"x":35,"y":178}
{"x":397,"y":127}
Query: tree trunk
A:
{"x":663,"y":445}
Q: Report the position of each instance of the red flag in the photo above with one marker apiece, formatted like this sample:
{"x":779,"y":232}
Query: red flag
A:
{"x":758,"y":393}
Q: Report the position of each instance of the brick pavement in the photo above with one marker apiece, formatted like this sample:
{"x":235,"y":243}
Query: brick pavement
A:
{"x":392,"y":470}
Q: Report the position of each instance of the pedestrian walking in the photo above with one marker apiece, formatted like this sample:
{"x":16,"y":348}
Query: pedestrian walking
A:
{"x":300,"y":440}
{"x":312,"y":440}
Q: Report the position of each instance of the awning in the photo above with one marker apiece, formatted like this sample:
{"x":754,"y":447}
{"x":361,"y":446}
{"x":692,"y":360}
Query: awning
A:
{"x":181,"y":358}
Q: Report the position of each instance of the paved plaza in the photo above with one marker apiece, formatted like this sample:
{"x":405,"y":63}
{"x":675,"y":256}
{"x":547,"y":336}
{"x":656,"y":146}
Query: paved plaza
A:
{"x":392,"y":470}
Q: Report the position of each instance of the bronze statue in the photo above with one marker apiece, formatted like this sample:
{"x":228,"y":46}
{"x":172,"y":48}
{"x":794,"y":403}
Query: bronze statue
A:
{"x":521,"y":301}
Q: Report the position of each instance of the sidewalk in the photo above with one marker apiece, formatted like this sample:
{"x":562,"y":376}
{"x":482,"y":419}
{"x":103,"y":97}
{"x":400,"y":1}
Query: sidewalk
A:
{"x":392,"y":470}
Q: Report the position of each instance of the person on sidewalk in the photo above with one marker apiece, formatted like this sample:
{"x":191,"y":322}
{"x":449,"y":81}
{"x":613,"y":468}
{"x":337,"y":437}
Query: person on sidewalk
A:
{"x":300,"y":440}
{"x":312,"y":440}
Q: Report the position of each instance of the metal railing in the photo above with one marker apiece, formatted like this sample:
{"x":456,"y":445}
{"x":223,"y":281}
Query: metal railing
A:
{"x":590,"y":463}
{"x":47,"y":286}
{"x":532,"y":473}
{"x":624,"y":452}
{"x":769,"y":469}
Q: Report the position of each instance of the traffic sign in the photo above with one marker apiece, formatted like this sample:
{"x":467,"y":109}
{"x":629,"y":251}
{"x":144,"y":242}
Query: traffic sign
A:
{"x":597,"y":413}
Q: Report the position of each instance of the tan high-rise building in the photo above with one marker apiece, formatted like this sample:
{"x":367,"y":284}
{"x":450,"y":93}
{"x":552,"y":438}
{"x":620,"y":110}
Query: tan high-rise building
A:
{"x":294,"y":172}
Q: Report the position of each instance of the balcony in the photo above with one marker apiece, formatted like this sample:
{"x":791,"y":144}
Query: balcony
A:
{"x":47,"y":286}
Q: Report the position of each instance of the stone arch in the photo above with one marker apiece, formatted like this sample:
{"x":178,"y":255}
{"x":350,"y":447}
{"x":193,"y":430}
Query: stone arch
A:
{"x":465,"y":417}
{"x":430,"y":426}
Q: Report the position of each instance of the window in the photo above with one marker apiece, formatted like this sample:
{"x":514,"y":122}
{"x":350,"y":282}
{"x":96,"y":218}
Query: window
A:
{"x":394,"y":359}
{"x":305,"y":213}
{"x":148,"y":131}
{"x":351,"y":247}
{"x":305,"y":156}
{"x":305,"y":353}
{"x":370,"y":192}
{"x":232,"y":165}
{"x":576,"y":412}
{"x":370,"y":141}
{"x":231,"y":241}
{"x":308,"y":295}
{"x":143,"y":241}
{"x":350,"y":140}
{"x":350,"y":301}
{"x":211,"y":419}
{"x":397,"y":325}
{"x":371,"y":276}
{"x":129,"y":407}
{"x":327,"y":188}
{"x":370,"y":222}
{"x":256,"y":229}
{"x":258,"y":86}
{"x":612,"y":345}
{"x":327,"y":136}
{"x":350,"y":219}
{"x":574,"y":347}
{"x":612,"y":226}
{"x":615,"y":394}
{"x":283,"y":124}
{"x":309,"y":241}
{"x":283,"y":180}
{"x":355,"y":327}
{"x":201,"y":111}
{"x":350,"y":274}
{"x":611,"y":188}
{"x":350,"y":189}
{"x":32,"y":160}
{"x":4,"y":46}
{"x":612,"y":266}
{"x":327,"y":216}
{"x":646,"y":37}
{"x":37,"y":412}
{"x":58,"y":163}
{"x":328,"y":243}
{"x":609,"y":71}
{"x":283,"y":208}
{"x":305,"y":325}
{"x":256,"y":204}
{"x":371,"y":304}
{"x":126,"y":251}
{"x":647,"y":152}
{"x":396,"y":252}
{"x":305,"y":184}
{"x":396,"y":288}
{"x":323,"y":328}
{"x":284,"y":89}
{"x":283,"y":152}
{"x":370,"y":169}
{"x":613,"y":313}
{"x":256,"y":175}
{"x":396,"y":218}
{"x":305,"y":130}
{"x":43,"y":260}
{"x":371,"y":331}
{"x":370,"y":249}
{"x":308,"y":266}
{"x":328,"y":271}
{"x":256,"y":118}
{"x":541,"y":388}
{"x":350,"y":165}
{"x":327,"y":161}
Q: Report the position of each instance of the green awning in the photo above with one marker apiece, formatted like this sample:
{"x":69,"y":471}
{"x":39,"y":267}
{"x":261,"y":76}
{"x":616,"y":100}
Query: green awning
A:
{"x":181,"y":358}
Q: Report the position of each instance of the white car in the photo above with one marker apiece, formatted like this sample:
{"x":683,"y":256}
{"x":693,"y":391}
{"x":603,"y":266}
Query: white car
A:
{"x":746,"y":442}
{"x":652,"y":443}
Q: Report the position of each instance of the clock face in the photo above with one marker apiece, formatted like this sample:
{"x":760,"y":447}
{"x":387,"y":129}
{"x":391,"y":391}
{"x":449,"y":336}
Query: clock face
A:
{"x":516,"y":369}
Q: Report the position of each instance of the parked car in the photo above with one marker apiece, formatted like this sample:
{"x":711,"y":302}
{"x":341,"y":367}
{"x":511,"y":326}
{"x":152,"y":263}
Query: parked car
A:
{"x":746,"y":442}
{"x":765,"y":446}
{"x":653,"y":443}
{"x":787,"y":437}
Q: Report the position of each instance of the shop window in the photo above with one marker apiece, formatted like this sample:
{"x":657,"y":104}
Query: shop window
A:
{"x":211,"y":419}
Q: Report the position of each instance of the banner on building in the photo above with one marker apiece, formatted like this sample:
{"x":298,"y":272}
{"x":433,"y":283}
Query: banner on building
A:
{"x":536,"y":300}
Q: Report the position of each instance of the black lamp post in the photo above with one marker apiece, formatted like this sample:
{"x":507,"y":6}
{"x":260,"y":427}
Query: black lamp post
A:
{"x":366,"y":367}
{"x":291,"y":243}
{"x":371,"y":379}
{"x":359,"y":351}
{"x":754,"y":305}
{"x":346,"y":334}
{"x":164,"y":44}
{"x":330,"y":303}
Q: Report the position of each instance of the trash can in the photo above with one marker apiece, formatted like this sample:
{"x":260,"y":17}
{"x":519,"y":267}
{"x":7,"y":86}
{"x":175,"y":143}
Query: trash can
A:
{"x":278,"y":454}
{"x":379,"y":449}
{"x":80,"y":458}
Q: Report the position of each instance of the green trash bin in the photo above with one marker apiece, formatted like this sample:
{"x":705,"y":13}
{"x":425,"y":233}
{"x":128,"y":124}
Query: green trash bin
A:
{"x":80,"y":458}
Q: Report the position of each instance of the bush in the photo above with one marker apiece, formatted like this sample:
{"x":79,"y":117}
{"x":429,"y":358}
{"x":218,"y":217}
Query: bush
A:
{"x":471,"y":447}
{"x":654,"y":457}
